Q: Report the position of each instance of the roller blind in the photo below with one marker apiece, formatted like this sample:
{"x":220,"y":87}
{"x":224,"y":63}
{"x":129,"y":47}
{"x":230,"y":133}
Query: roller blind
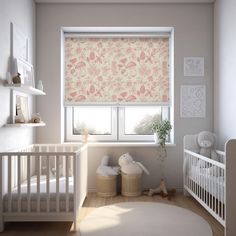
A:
{"x":116,"y":70}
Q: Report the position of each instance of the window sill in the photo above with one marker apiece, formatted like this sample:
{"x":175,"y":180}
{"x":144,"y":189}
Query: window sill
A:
{"x":126,"y":144}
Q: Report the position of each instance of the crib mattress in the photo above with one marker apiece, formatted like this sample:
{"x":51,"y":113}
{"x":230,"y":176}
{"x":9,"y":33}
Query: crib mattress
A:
{"x":213,"y":184}
{"x":43,"y":195}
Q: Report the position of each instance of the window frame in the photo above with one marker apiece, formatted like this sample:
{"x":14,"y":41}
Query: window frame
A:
{"x":136,"y":137}
{"x":118,"y":124}
{"x":74,"y":137}
{"x":117,"y":135}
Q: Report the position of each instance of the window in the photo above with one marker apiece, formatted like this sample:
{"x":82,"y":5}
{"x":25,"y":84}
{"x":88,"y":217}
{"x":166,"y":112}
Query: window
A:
{"x":106,"y":123}
{"x":116,"y":83}
{"x":100,"y":122}
{"x":135,"y":122}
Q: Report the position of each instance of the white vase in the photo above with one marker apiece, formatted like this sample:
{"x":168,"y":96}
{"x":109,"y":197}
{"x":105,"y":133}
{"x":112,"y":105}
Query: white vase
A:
{"x":156,"y":138}
{"x":40,"y":85}
{"x":9,"y":78}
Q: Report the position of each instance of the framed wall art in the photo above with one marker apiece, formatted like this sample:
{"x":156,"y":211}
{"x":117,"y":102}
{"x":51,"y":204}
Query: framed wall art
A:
{"x":20,"y":43}
{"x":194,"y":66}
{"x":26,"y":72}
{"x":193,"y":101}
{"x":20,"y":107}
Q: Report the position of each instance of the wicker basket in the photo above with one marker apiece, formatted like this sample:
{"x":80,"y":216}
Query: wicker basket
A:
{"x":106,"y":186}
{"x":131,"y":185}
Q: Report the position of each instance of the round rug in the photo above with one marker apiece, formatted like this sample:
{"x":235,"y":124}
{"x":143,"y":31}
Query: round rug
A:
{"x":144,"y":219}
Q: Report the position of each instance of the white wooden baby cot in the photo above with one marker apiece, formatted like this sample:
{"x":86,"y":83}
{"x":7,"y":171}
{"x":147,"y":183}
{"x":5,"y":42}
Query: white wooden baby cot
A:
{"x":212,"y":183}
{"x":46,"y":182}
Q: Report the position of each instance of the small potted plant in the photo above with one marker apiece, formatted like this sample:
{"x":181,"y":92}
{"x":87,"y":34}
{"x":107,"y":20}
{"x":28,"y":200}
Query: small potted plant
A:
{"x":161,"y":129}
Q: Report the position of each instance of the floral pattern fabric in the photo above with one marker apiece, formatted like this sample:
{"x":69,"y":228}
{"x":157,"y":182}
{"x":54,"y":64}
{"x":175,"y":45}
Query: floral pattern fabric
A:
{"x":116,"y":70}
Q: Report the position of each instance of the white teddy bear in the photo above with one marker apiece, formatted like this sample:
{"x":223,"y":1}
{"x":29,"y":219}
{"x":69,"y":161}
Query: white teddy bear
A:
{"x":131,"y":167}
{"x":206,"y":141}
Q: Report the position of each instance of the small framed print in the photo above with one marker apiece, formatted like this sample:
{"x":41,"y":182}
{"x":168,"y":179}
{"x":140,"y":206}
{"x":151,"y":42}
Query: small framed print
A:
{"x":26,"y":72}
{"x":193,"y":101}
{"x":20,"y":107}
{"x":20,"y":43}
{"x":194,"y":66}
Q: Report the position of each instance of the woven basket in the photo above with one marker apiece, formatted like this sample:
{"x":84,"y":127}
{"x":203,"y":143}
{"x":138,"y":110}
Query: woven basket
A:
{"x":106,"y":186}
{"x":131,"y":185}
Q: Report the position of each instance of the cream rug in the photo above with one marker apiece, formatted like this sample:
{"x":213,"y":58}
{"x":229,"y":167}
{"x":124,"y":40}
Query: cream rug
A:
{"x":144,"y":219}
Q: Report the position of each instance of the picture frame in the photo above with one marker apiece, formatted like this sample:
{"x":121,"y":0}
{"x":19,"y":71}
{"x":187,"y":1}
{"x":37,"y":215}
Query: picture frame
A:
{"x":20,"y":43}
{"x":20,"y":107}
{"x":26,"y":71}
{"x":194,"y":66}
{"x":193,"y":101}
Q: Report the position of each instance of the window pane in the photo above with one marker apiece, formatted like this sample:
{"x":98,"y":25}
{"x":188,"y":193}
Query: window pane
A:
{"x":138,"y":120}
{"x":95,"y":120}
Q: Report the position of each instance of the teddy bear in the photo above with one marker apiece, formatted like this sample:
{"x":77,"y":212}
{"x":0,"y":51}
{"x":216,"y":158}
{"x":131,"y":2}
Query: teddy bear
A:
{"x":131,"y":167}
{"x":206,"y":141}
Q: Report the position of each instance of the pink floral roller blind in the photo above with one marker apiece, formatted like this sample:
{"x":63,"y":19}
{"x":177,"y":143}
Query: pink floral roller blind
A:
{"x":116,"y":70}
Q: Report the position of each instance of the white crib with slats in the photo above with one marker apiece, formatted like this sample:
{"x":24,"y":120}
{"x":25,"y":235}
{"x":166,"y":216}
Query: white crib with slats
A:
{"x":211,"y":182}
{"x":46,"y":182}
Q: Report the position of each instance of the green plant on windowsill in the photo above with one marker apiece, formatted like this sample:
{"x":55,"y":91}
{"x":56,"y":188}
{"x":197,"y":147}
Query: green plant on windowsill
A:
{"x":161,"y":129}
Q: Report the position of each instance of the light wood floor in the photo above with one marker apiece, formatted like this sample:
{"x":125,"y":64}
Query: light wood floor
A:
{"x":91,"y":203}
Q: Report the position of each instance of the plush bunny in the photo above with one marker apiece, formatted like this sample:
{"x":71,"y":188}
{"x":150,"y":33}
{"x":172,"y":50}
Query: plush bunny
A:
{"x":131,"y":167}
{"x":206,"y":141}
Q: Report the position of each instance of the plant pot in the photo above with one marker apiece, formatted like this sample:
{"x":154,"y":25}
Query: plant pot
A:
{"x":156,"y":138}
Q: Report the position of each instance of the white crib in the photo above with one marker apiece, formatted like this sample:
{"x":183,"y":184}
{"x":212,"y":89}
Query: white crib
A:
{"x":46,"y":182}
{"x":211,"y":182}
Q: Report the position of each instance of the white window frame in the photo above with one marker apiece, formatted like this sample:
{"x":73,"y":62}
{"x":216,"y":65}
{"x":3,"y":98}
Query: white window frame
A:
{"x":118,"y":124}
{"x":117,"y":115}
{"x":135,"y":137}
{"x":92,"y":138}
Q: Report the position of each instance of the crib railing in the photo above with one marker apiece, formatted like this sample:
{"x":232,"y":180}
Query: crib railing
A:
{"x":43,"y":183}
{"x":204,"y":179}
{"x":53,"y":161}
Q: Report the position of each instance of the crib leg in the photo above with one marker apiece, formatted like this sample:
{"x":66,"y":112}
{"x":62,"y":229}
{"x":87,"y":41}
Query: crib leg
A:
{"x":186,"y":193}
{"x":75,"y":225}
{"x":2,"y":224}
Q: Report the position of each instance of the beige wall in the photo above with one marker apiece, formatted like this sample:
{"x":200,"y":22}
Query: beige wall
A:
{"x":225,"y":70}
{"x":22,"y":15}
{"x":193,"y":25}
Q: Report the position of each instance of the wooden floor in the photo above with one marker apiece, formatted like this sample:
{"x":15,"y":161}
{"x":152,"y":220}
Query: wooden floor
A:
{"x":91,"y":203}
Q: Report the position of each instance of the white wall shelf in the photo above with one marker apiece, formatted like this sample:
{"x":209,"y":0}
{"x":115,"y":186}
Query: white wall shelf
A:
{"x":28,"y":90}
{"x":25,"y":89}
{"x":25,"y":125}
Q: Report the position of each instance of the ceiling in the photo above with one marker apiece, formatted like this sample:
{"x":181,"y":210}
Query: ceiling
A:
{"x":124,"y":1}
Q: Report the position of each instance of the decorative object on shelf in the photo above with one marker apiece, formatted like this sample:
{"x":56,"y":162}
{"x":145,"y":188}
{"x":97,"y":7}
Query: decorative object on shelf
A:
{"x":17,"y":79}
{"x":9,"y":78}
{"x":161,"y":130}
{"x":19,"y":119}
{"x":40,"y":85}
{"x":36,"y":118}
{"x":194,"y":66}
{"x":20,"y":109}
{"x":193,"y":101}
